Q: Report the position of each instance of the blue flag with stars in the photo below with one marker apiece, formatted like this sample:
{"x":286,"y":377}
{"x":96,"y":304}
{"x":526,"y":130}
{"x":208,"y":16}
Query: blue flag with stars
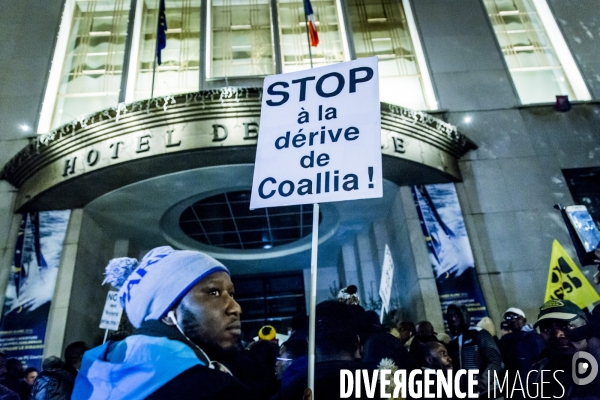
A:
{"x":161,"y":31}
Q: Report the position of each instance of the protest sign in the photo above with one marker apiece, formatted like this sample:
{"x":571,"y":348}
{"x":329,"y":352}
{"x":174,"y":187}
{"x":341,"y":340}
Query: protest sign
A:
{"x":566,"y":281}
{"x":320,"y":136}
{"x":387,"y":275}
{"x":111,"y":316}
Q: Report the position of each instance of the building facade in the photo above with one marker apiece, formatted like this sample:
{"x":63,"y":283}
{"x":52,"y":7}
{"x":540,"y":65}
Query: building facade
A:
{"x":468,"y":91}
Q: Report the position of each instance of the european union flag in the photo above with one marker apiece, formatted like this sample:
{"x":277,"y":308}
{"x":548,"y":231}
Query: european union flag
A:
{"x":161,"y":31}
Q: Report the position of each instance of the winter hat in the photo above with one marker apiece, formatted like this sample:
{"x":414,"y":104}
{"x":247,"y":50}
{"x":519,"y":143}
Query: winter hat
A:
{"x":151,"y":287}
{"x":267,"y":332}
{"x":487,"y":324}
{"x":349,"y":295}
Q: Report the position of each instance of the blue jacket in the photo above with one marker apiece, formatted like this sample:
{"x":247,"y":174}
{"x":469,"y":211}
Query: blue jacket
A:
{"x":133,"y":368}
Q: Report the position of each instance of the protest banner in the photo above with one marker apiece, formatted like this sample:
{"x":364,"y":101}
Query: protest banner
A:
{"x":31,"y":285}
{"x":319,"y":137}
{"x":449,"y":248}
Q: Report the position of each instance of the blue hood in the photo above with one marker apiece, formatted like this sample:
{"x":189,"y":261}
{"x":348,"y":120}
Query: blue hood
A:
{"x":133,"y":368}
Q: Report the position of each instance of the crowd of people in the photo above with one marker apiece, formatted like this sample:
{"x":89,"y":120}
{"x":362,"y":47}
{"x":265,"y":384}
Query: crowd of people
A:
{"x":187,"y":345}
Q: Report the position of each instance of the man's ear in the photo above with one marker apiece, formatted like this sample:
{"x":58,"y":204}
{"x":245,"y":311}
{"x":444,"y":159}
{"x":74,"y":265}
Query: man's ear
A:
{"x":429,"y":360}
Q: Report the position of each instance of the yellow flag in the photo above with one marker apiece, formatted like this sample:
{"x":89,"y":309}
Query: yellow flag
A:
{"x":565,"y":280}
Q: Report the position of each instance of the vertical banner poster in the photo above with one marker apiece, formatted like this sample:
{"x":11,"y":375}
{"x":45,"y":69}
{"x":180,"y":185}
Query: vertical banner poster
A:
{"x":319,"y":137}
{"x":449,"y":248}
{"x":31,"y":285}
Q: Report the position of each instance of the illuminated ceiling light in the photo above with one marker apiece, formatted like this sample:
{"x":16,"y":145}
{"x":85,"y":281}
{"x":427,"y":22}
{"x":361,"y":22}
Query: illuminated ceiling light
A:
{"x":25,"y":127}
{"x":467,"y":119}
{"x":267,"y":246}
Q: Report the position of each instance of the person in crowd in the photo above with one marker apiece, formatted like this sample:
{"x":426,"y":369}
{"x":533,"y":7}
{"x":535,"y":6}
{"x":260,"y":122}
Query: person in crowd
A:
{"x":390,"y":322}
{"x":487,"y":324}
{"x":14,"y":375}
{"x":57,"y":377}
{"x":407,"y":332}
{"x":54,"y":382}
{"x":424,"y":333}
{"x":73,"y":356}
{"x":433,"y":355}
{"x":289,"y":351}
{"x":522,"y":346}
{"x":556,"y":321}
{"x":187,"y":325}
{"x":472,"y":347}
{"x":336,"y":348}
{"x":504,"y":329}
{"x":298,"y":327}
{"x":29,"y":376}
{"x":256,"y":365}
{"x":5,"y":393}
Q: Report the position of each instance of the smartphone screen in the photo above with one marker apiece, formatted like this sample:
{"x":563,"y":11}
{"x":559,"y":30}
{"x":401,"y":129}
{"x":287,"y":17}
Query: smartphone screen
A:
{"x":584,"y":226}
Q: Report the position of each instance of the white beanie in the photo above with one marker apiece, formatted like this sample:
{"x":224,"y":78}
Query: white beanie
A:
{"x":150,"y":288}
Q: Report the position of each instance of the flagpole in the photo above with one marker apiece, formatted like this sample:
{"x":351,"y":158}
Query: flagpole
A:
{"x":155,"y":53}
{"x":313,"y":262}
{"x":153,"y":75}
{"x":307,"y":34}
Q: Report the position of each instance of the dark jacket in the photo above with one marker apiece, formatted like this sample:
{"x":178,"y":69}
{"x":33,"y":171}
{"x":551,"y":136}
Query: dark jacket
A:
{"x":7,"y":394}
{"x":520,"y":350}
{"x":385,"y":345}
{"x":478,"y":351}
{"x":327,"y":381}
{"x":55,"y":383}
{"x":559,"y":382}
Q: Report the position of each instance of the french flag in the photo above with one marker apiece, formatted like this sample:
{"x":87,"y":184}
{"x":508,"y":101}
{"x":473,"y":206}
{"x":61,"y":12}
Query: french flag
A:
{"x":312,"y":27}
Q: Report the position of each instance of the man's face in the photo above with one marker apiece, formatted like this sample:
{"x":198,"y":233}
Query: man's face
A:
{"x":283,"y":361}
{"x":209,"y":315}
{"x":405,"y":334}
{"x":515,"y":321}
{"x":454,"y":320}
{"x":30,"y":378}
{"x":439,"y":358}
{"x":555,"y":331}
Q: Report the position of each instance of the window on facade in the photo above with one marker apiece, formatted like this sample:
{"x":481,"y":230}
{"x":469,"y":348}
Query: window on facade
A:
{"x":178,"y":72}
{"x":91,"y":75}
{"x":241,"y":38}
{"x":380,"y":28}
{"x":531,"y":58}
{"x":294,"y":42}
{"x":271,"y":299}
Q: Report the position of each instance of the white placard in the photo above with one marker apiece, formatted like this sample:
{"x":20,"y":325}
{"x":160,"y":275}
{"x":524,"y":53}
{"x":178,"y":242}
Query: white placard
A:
{"x":111,"y":316}
{"x":387,"y":274}
{"x":320,"y":136}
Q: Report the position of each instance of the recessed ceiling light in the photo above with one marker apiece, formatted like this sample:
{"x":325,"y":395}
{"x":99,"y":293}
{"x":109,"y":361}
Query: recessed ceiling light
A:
{"x":467,"y":119}
{"x":25,"y":127}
